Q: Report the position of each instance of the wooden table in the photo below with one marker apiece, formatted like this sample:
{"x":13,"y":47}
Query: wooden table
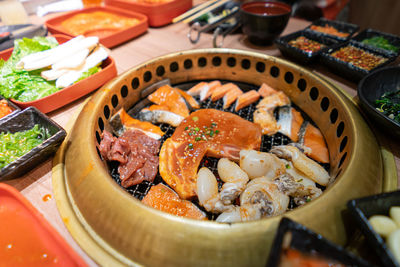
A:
{"x":156,"y":42}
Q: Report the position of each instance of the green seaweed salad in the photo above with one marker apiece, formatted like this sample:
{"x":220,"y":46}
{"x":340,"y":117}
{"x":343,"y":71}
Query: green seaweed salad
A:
{"x":389,"y":104}
{"x":27,"y":86}
{"x":15,"y":145}
{"x":381,"y":42}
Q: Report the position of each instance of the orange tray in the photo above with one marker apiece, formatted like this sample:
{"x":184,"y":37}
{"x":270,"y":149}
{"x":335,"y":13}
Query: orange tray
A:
{"x":158,"y":14}
{"x":72,"y":92}
{"x":106,"y":38}
{"x":27,"y":239}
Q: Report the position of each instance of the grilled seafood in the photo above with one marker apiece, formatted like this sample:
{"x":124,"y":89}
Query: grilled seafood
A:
{"x":163,"y":198}
{"x":234,"y":178}
{"x":170,"y":98}
{"x":266,"y":197}
{"x":246,"y":99}
{"x":261,"y":198}
{"x":257,"y":164}
{"x":310,"y":168}
{"x":231,"y":97}
{"x":160,"y":116}
{"x":122,"y":122}
{"x":207,"y":192}
{"x":264,"y":114}
{"x":289,"y":122}
{"x":205,"y":132}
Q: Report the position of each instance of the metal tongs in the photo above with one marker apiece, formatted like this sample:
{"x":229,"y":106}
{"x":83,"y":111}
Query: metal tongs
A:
{"x":223,"y":24}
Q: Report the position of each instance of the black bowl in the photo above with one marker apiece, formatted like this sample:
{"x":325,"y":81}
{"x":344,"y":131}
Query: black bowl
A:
{"x":292,"y":235}
{"x":25,"y":120}
{"x":363,"y":208}
{"x":372,"y":87}
{"x":262,"y":22}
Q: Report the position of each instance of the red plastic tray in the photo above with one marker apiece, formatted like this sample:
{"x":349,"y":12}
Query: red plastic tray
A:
{"x":72,"y":92}
{"x":107,"y":39}
{"x":158,"y":14}
{"x":27,"y":239}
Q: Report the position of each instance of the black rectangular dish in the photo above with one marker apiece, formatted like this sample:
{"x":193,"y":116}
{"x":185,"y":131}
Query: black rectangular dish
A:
{"x":298,"y":54}
{"x":341,"y":26}
{"x":292,"y":235}
{"x":14,"y":107}
{"x":348,"y":70}
{"x":363,"y":208}
{"x":25,"y":120}
{"x":393,"y":40}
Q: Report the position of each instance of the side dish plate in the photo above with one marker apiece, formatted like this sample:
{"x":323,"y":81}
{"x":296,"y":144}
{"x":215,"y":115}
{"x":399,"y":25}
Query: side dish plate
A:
{"x":106,"y":38}
{"x":72,"y":92}
{"x":159,"y":14}
{"x":25,"y":120}
{"x":30,"y":238}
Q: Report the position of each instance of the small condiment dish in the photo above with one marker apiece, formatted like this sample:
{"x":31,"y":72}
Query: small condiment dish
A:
{"x":263,"y":22}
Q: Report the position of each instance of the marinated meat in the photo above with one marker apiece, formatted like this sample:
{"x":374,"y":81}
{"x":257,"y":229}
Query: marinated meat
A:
{"x":207,"y":132}
{"x":135,"y":151}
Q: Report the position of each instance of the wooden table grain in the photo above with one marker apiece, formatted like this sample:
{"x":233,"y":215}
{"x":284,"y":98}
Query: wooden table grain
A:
{"x":37,"y":184}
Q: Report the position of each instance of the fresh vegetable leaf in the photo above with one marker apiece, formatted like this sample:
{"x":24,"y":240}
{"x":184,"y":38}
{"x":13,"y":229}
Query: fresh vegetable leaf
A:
{"x":89,"y":72}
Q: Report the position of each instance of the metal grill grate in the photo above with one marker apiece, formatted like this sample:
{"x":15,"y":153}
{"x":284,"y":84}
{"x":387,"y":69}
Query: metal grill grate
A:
{"x":140,"y":190}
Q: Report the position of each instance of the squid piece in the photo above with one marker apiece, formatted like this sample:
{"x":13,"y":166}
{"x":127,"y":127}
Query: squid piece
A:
{"x":300,"y":161}
{"x":257,"y":164}
{"x":235,"y":180}
{"x":261,"y":198}
{"x":207,"y":192}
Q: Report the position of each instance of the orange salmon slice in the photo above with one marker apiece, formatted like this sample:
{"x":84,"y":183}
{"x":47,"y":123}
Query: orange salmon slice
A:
{"x":171,"y":98}
{"x":266,"y":90}
{"x":246,"y":99}
{"x":163,"y":198}
{"x":231,"y":97}
{"x":219,"y":92}
{"x":314,"y":140}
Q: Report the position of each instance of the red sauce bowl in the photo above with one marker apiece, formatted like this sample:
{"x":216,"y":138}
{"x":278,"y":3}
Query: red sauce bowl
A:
{"x":263,"y":22}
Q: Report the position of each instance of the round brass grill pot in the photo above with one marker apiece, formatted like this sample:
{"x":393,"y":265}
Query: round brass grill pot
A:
{"x":119,"y":229}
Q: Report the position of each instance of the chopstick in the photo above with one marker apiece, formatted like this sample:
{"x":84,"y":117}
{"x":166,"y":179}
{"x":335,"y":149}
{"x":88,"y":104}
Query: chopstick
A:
{"x":206,"y":10}
{"x":193,"y":10}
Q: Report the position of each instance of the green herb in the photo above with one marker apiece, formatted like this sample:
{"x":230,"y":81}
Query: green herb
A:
{"x":211,"y":133}
{"x":287,"y":166}
{"x":308,"y":199}
{"x":195,"y":118}
{"x":197,"y":139}
{"x":217,"y":131}
{"x":190,"y":146}
{"x":15,"y":145}
{"x":381,"y":42}
{"x":389,"y":104}
{"x":197,"y":129}
{"x":186,"y":128}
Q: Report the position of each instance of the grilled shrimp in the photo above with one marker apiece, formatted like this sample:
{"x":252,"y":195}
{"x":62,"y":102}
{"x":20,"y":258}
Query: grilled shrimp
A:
{"x":257,"y":164}
{"x":300,"y":161}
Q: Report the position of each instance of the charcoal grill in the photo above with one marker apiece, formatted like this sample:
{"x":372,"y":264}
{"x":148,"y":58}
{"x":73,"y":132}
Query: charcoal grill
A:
{"x":116,"y":229}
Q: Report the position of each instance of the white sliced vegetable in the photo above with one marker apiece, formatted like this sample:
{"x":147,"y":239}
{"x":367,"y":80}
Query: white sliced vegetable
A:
{"x":394,"y":213}
{"x":52,"y":75}
{"x":73,"y":62}
{"x":383,"y":225}
{"x":47,"y":53}
{"x":393,"y":243}
{"x":56,"y":54}
{"x":97,"y":56}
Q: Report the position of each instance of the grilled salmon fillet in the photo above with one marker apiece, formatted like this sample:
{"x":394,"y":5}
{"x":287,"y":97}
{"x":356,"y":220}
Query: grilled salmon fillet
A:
{"x":163,"y":198}
{"x":206,"y":132}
